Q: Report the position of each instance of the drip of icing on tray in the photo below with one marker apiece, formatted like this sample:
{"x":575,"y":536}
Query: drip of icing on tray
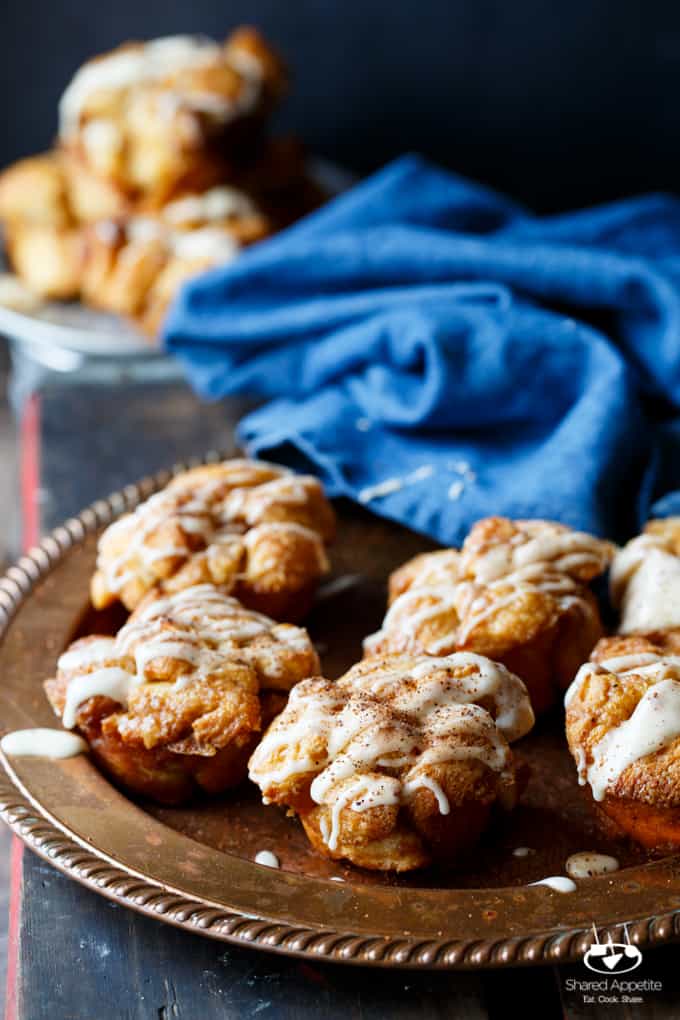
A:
{"x":42,"y":743}
{"x":558,"y":883}
{"x":267,"y":858}
{"x":588,"y":864}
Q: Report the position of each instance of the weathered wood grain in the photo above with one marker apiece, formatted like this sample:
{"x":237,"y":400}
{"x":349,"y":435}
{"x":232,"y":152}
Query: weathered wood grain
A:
{"x":84,"y":958}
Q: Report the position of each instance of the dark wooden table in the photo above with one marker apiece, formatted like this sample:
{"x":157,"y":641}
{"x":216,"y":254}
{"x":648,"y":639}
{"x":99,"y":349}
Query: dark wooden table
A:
{"x":75,"y":956}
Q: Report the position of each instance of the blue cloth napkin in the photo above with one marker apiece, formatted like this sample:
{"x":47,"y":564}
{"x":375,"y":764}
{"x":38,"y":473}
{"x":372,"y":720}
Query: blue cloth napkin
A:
{"x":436,"y":352}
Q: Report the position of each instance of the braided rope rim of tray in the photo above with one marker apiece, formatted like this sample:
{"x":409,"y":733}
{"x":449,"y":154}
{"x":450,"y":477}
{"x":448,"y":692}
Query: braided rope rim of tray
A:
{"x":150,"y":898}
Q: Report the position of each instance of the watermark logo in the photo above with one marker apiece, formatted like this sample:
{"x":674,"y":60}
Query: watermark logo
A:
{"x":612,"y":957}
{"x":611,"y":961}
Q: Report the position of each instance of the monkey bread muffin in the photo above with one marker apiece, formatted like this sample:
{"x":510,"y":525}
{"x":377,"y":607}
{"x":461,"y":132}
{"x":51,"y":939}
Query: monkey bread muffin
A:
{"x":623,"y":729}
{"x":255,"y":529}
{"x":174,"y":704}
{"x":401,"y":761}
{"x":516,"y":592}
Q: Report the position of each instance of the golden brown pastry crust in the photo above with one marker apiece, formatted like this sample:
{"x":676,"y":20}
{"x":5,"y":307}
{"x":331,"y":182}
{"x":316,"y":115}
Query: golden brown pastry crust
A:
{"x":118,"y":273}
{"x":135,"y":265}
{"x":497,"y":546}
{"x":399,"y":762}
{"x":197,"y":677}
{"x":91,"y":198}
{"x":163,"y":289}
{"x":33,"y":192}
{"x":47,"y":259}
{"x":427,"y":570}
{"x":173,"y":113}
{"x":668,"y":529}
{"x":42,"y":239}
{"x":83,"y":240}
{"x":255,"y":529}
{"x":515,"y":593}
{"x":642,"y":799}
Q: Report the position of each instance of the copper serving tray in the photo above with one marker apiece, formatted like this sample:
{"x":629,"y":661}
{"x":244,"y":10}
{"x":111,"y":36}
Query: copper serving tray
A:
{"x":193,"y":867}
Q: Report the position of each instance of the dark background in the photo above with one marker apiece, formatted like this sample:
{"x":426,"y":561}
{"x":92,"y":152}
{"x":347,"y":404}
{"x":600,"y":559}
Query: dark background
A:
{"x":557,"y":103}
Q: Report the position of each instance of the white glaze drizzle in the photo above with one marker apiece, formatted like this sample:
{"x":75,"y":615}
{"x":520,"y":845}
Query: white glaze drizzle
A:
{"x":109,"y":682}
{"x":137,"y":65}
{"x":438,"y":686}
{"x":437,"y":568}
{"x":413,"y":717}
{"x":360,"y":794}
{"x":199,"y":627}
{"x":651,"y":665}
{"x":255,"y":534}
{"x":88,"y":654}
{"x":428,"y":783}
{"x":587,"y":669}
{"x":251,"y":503}
{"x":539,"y":558}
{"x":538,"y":542}
{"x":42,"y":743}
{"x":213,"y":205}
{"x":285,"y":749}
{"x":645,"y":582}
{"x":534,"y":577}
{"x":635,"y":662}
{"x":208,"y":511}
{"x":627,"y":561}
{"x":432,"y":602}
{"x":654,"y":724}
{"x":212,"y":617}
{"x":212,"y":243}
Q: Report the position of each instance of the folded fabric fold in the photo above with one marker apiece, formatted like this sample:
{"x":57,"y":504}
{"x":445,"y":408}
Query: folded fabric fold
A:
{"x":437,"y":353}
